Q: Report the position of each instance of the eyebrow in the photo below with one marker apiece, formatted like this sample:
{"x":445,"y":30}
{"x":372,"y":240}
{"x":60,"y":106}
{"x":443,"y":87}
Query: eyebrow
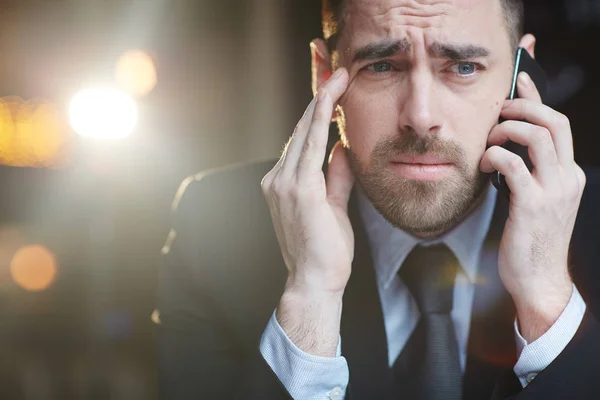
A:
{"x":382,"y":49}
{"x":442,"y":50}
{"x":457,"y":51}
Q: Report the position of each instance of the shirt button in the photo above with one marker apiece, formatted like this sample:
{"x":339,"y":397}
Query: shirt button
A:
{"x":336,"y":393}
{"x":531,"y":377}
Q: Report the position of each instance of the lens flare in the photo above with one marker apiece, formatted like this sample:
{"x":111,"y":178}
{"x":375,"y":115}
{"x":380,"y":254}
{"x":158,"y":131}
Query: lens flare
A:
{"x":33,"y":268}
{"x":135,"y":72}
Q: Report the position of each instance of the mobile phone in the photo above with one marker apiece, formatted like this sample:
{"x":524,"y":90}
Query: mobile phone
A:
{"x":523,"y":62}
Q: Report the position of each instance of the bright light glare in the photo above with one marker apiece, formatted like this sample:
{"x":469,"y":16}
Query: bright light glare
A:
{"x":135,"y":72}
{"x":103,"y":113}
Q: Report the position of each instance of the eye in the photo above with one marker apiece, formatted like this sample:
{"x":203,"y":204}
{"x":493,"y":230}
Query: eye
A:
{"x":465,"y":69}
{"x":379,"y":67}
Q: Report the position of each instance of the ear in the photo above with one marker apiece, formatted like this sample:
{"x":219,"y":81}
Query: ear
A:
{"x":528,"y":43}
{"x":320,"y":64}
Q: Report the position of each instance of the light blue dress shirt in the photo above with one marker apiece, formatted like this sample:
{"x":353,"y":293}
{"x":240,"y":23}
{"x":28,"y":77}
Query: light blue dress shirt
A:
{"x":309,"y":377}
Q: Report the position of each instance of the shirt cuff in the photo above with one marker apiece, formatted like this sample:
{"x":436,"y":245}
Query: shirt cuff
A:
{"x":534,"y":357}
{"x":303,"y":375}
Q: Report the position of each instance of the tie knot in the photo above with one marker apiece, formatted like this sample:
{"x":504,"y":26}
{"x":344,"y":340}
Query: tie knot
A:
{"x":429,"y":274}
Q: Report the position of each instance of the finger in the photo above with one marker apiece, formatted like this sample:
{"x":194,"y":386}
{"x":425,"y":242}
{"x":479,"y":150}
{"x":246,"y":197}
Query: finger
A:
{"x":340,"y":179}
{"x":542,"y":115}
{"x":298,"y":141}
{"x":293,"y":148}
{"x":510,"y":165}
{"x":527,"y":89}
{"x":538,"y":141}
{"x":315,"y":146}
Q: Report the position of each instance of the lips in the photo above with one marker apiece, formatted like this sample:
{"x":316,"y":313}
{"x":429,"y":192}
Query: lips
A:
{"x":422,"y":168}
{"x":425,"y":159}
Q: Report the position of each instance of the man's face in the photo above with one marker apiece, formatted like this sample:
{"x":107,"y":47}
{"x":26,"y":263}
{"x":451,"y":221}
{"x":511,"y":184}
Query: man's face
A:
{"x":427,"y":83}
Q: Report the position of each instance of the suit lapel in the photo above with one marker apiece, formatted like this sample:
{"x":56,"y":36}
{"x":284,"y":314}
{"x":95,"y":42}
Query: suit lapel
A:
{"x":491,"y":349}
{"x":364,"y":341}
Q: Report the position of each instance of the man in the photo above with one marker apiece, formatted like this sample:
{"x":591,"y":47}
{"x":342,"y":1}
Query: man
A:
{"x":407,"y":276}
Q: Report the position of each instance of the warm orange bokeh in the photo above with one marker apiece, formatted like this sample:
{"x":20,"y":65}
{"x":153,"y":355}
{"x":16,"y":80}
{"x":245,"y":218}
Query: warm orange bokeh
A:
{"x":135,"y":73}
{"x":33,"y":268}
{"x":32,"y":134}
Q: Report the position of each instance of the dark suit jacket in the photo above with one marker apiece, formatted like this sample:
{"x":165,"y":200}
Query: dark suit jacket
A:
{"x":224,"y":274}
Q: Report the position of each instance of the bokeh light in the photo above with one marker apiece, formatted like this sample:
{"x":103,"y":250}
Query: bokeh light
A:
{"x":33,"y":134}
{"x":135,"y":73}
{"x":103,"y":113}
{"x":155,"y":317}
{"x":33,"y":268}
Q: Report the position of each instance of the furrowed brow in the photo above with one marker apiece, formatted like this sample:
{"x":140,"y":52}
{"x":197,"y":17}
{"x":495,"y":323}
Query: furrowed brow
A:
{"x":458,"y":52}
{"x":382,"y":49}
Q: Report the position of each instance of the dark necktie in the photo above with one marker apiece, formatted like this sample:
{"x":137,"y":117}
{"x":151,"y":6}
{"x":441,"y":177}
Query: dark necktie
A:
{"x":428,"y":367}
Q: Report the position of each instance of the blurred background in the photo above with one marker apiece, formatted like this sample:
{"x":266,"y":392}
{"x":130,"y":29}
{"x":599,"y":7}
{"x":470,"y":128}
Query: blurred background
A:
{"x":182,"y":86}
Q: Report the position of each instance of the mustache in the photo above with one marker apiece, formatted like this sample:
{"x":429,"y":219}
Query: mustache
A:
{"x":409,"y":142}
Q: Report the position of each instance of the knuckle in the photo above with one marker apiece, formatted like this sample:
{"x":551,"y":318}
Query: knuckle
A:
{"x":542,"y":136}
{"x":515,"y":165}
{"x":278,"y":187}
{"x":265,"y":183}
{"x":309,"y":144}
{"x":543,"y":133}
{"x":563,"y":120}
{"x":581,"y":178}
{"x":545,"y":141}
{"x":267,"y":180}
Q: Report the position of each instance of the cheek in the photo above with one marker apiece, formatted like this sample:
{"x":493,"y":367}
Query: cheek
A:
{"x":369,"y":117}
{"x":476,"y":132}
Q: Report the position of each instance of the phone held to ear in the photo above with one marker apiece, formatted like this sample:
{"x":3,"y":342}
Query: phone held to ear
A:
{"x":523,"y":62}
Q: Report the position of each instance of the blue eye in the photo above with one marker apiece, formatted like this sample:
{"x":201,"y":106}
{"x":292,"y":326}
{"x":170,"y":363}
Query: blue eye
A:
{"x":466,"y":68}
{"x":380,"y":67}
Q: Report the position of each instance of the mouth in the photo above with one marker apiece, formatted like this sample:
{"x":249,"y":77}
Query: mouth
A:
{"x":422,"y":168}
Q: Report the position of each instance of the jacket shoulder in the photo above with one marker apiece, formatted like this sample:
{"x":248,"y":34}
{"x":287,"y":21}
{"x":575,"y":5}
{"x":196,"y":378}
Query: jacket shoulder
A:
{"x":218,"y":182}
{"x":222,"y":252}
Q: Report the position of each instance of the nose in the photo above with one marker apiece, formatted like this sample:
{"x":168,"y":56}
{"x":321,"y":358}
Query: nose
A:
{"x":419,"y":110}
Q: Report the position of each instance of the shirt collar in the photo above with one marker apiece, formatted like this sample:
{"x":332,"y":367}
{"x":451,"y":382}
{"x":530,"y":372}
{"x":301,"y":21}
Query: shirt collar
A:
{"x":390,"y":246}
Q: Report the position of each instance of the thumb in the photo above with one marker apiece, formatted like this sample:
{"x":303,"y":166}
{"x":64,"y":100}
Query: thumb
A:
{"x":339,"y":177}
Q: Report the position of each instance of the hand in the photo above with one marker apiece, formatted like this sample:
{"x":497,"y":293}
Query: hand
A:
{"x":309,"y":214}
{"x":311,"y":222}
{"x":543,"y":206}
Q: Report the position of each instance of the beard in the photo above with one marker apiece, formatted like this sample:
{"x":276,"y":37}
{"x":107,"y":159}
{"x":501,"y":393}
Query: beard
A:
{"x":422,"y":208}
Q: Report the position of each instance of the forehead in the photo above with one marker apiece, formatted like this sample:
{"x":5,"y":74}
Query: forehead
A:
{"x":457,"y":21}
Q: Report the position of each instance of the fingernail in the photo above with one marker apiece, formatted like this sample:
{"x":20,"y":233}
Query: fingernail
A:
{"x":525,"y":79}
{"x":337,"y":74}
{"x":315,"y":49}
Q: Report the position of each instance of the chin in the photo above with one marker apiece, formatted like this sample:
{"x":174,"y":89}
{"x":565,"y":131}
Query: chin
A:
{"x":423,"y":208}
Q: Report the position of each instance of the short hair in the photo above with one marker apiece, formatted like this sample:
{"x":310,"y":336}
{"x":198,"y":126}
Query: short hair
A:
{"x":333,"y":23}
